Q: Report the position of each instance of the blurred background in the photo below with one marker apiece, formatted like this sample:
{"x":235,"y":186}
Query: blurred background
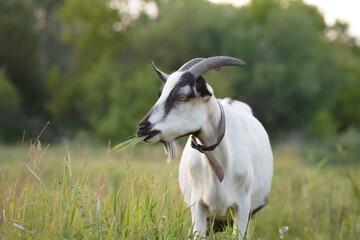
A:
{"x":84,"y":65}
{"x":81,"y":69}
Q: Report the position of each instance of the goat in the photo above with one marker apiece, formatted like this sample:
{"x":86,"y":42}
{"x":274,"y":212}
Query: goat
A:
{"x":231,"y":173}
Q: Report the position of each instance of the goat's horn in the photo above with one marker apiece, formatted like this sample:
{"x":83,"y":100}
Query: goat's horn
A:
{"x":214,"y":63}
{"x":163,"y":76}
{"x":189,"y":64}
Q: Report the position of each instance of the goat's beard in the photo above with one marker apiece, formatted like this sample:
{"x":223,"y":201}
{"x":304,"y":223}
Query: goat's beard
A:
{"x":172,"y":149}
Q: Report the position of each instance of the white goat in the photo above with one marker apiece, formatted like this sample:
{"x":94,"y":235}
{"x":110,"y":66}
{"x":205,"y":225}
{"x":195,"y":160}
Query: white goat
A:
{"x":233,"y":175}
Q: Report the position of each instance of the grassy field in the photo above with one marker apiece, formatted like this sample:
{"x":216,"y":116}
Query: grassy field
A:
{"x":84,"y":192}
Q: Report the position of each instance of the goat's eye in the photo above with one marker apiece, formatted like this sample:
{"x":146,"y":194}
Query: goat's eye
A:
{"x":182,"y":97}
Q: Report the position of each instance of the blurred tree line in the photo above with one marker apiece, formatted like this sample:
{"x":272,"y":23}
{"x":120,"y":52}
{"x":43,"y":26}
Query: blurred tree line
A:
{"x":85,"y":64}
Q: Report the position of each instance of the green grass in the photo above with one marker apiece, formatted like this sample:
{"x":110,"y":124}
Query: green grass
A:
{"x":86,"y":192}
{"x":130,"y":142}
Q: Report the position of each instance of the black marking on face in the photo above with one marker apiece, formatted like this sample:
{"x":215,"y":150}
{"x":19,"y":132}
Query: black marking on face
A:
{"x":201,"y":87}
{"x":187,"y":79}
{"x":144,"y":126}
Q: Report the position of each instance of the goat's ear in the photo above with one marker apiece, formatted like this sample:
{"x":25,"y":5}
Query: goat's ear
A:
{"x":201,"y":87}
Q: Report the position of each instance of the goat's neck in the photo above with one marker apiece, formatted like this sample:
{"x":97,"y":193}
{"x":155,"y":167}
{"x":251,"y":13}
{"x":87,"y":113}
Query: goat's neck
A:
{"x":210,"y":130}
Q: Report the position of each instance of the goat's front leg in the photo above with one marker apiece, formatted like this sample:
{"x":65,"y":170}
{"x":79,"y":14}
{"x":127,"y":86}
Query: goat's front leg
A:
{"x":198,"y":219}
{"x":242,"y":212}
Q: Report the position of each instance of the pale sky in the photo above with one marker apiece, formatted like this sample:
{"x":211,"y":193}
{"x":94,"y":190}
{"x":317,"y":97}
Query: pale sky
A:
{"x":346,"y":10}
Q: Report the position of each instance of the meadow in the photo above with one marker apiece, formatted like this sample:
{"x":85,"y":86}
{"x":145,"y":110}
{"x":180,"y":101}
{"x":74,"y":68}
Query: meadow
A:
{"x":85,"y":65}
{"x":82,"y":191}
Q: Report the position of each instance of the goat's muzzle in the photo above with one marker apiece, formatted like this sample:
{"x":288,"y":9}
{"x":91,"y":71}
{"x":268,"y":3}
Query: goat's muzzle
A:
{"x":144,"y":129}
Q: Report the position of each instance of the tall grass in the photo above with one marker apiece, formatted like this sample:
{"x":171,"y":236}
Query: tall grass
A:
{"x":84,"y":192}
{"x":69,"y":207}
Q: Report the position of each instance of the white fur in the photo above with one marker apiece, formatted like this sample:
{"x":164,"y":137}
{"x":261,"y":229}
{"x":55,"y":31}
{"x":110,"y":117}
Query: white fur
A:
{"x":244,"y":154}
{"x":246,"y":157}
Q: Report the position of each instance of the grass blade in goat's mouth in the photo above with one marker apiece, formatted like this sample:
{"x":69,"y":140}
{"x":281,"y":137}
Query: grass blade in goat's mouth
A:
{"x":132,"y":141}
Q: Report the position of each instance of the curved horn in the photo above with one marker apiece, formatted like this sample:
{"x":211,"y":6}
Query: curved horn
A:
{"x":189,"y":64}
{"x":163,"y":76}
{"x":214,"y":63}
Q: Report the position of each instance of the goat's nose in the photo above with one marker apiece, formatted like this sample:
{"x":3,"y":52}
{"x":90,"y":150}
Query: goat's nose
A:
{"x":144,"y":124}
{"x":143,"y":127}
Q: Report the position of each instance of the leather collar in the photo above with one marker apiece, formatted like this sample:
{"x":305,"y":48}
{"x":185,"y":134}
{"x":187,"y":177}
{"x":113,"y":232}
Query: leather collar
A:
{"x":204,"y":149}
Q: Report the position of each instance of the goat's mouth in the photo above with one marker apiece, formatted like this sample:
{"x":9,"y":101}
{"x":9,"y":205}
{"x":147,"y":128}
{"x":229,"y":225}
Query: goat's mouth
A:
{"x":149,"y":135}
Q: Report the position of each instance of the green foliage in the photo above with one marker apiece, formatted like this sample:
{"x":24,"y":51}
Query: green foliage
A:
{"x":339,"y":148}
{"x":117,"y":98}
{"x":93,"y":56}
{"x":323,"y":124}
{"x":9,"y":108}
{"x":90,"y":25}
{"x":178,"y":34}
{"x":64,"y":91}
{"x":18,"y":48}
{"x":9,"y":96}
{"x":97,"y":84}
{"x":347,"y":105}
{"x":289,"y":73}
{"x":259,"y":9}
{"x":286,"y":68}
